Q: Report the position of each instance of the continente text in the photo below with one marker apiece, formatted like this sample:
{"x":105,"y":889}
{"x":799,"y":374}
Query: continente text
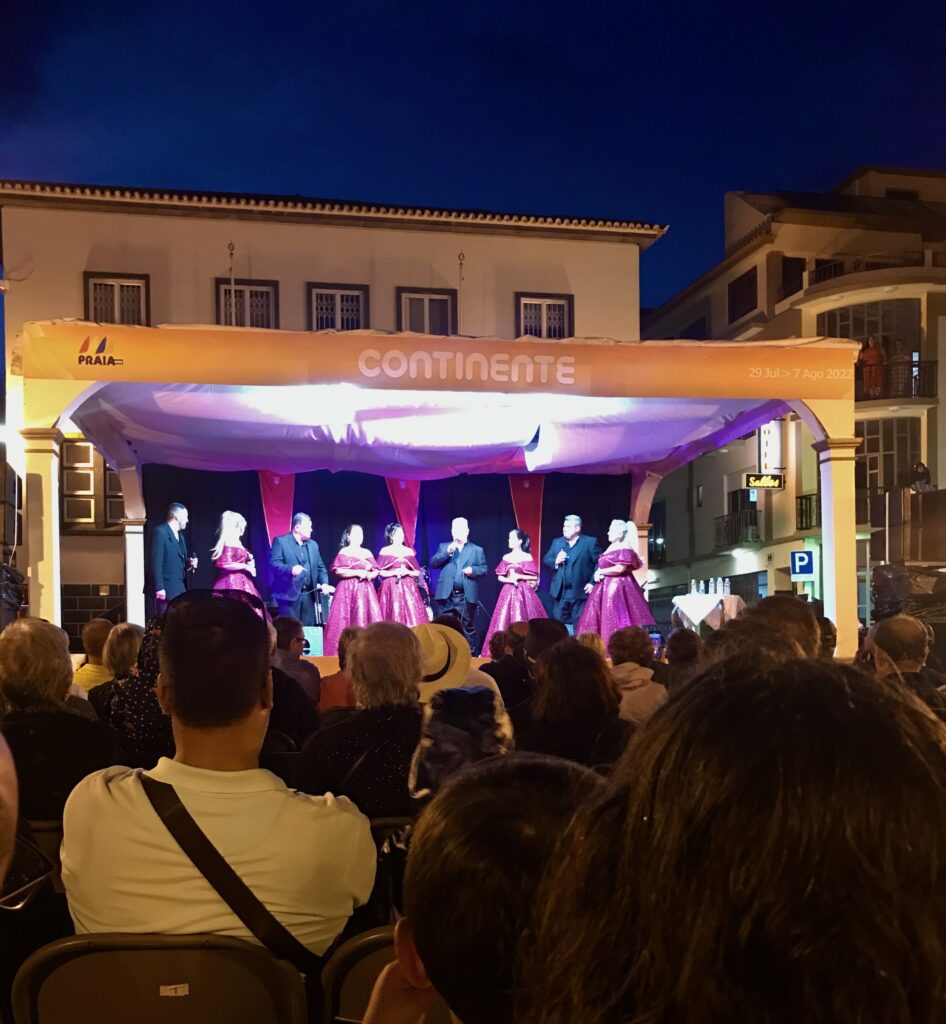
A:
{"x":461,"y":367}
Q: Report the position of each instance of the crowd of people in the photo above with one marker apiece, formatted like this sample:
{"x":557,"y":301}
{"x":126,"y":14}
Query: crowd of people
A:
{"x":589,"y":590}
{"x":747,"y":829}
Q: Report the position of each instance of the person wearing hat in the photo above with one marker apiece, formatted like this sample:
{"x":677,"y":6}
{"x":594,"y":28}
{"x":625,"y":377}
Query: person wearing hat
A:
{"x":446,"y":661}
{"x":461,"y":564}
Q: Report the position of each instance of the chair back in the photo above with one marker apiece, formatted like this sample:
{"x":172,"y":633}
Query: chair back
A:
{"x":157,"y":979}
{"x":281,"y":763}
{"x":350,"y":973}
{"x":382,"y":828}
{"x":47,"y":835}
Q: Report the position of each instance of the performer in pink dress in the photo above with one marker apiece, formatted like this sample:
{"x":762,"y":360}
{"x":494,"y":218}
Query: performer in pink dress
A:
{"x":519,"y":575}
{"x":400,"y":597}
{"x":234,"y":564}
{"x":616,"y":600}
{"x":355,"y":602}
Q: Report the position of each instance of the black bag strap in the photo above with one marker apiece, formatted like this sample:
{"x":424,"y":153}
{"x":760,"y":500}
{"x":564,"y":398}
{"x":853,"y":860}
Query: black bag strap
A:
{"x":227,"y":883}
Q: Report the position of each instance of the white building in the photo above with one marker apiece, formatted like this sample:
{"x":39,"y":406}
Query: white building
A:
{"x":141,"y":256}
{"x":865,"y":259}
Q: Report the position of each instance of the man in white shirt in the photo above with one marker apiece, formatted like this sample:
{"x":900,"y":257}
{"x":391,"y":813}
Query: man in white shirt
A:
{"x":309,"y":859}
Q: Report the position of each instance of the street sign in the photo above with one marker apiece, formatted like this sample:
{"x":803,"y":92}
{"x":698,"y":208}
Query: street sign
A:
{"x":765,"y":481}
{"x":802,"y":565}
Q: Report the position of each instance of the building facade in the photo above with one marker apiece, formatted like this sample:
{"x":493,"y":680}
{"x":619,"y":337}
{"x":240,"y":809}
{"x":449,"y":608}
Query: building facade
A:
{"x":866,"y":261}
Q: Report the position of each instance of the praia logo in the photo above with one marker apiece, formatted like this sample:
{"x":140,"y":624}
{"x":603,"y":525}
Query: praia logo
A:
{"x":99,"y":357}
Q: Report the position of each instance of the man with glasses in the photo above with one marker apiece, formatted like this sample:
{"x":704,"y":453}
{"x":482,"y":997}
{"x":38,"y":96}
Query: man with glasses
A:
{"x":290,"y":646}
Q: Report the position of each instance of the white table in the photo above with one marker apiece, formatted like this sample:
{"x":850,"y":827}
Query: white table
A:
{"x":713,"y":609}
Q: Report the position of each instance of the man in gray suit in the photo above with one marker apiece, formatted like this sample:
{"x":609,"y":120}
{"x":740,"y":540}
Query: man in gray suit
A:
{"x":461,"y":564}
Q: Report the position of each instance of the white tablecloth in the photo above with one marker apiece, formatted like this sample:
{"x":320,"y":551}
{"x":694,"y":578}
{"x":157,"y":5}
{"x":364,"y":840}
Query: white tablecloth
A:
{"x":713,"y":609}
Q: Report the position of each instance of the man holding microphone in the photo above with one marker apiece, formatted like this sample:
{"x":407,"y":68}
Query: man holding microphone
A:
{"x":573,"y":558}
{"x":461,"y":564}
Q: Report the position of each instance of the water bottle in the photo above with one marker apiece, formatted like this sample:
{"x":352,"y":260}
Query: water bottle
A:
{"x":692,"y":586}
{"x":719,"y":586}
{"x":702,"y":589}
{"x":711,"y":586}
{"x":727,"y":587}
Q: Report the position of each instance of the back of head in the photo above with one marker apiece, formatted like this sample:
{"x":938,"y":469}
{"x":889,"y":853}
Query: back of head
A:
{"x":572,"y":682}
{"x":631,"y":644}
{"x":480,"y":849}
{"x":121,"y":649}
{"x":496,"y":646}
{"x":214,"y":655}
{"x":385,"y":666}
{"x":593,"y":641}
{"x":752,"y":637}
{"x":541,"y":634}
{"x":287,"y":629}
{"x":345,"y":639}
{"x":449,"y":619}
{"x":902,"y":638}
{"x":684,"y":647}
{"x":514,"y":636}
{"x":35,"y":667}
{"x":791,"y":616}
{"x":94,"y":634}
{"x":792,"y":816}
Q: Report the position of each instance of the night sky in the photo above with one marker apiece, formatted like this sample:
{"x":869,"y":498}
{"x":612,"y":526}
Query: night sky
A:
{"x":625,"y":110}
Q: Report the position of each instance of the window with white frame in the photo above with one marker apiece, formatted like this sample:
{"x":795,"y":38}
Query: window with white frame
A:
{"x":545,"y":316}
{"x":247,"y":303}
{"x":338,"y":307}
{"x":116,"y":298}
{"x":91,"y":492}
{"x":427,"y":312}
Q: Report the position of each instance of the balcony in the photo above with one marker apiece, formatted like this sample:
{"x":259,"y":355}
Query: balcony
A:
{"x":808,"y":512}
{"x":737,"y":529}
{"x":902,"y":380}
{"x":829,"y":270}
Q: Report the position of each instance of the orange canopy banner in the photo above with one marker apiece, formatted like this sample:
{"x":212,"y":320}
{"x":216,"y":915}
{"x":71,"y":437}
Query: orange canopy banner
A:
{"x":797,"y":369}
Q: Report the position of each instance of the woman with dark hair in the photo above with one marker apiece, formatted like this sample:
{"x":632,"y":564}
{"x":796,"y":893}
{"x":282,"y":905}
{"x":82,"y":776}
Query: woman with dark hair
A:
{"x":684,"y":653}
{"x":400,"y":597}
{"x":519,"y":576}
{"x":355,"y":602}
{"x":775,"y":852}
{"x":574,"y":711}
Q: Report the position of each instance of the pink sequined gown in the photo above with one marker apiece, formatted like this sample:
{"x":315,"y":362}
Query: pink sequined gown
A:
{"x":400,"y":597}
{"x":355,"y":602}
{"x":232,"y":573}
{"x":617,"y":601}
{"x":516,"y":602}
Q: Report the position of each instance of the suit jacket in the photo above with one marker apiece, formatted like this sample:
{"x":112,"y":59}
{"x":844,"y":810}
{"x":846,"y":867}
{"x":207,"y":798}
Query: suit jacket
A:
{"x":582,"y":562}
{"x":284,"y":555}
{"x":168,"y":561}
{"x":451,"y":569}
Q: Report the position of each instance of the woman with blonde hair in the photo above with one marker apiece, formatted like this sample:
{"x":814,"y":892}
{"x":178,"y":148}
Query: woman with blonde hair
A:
{"x":234,"y":564}
{"x":617,"y":600}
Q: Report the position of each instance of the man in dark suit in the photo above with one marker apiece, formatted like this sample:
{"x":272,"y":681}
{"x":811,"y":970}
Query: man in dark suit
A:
{"x":461,"y":564}
{"x":298,"y":572}
{"x":573,"y":559}
{"x":170,"y":561}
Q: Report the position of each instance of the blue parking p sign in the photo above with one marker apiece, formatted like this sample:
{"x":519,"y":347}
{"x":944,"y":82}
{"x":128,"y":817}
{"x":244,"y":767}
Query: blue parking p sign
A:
{"x":802,"y":565}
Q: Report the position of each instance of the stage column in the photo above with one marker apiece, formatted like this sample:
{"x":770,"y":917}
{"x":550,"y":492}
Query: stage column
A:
{"x":643,"y":549}
{"x":839,"y":547}
{"x":42,"y":446}
{"x":134,"y":570}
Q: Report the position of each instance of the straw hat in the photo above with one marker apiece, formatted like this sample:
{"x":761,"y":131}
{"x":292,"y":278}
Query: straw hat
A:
{"x":445,"y":659}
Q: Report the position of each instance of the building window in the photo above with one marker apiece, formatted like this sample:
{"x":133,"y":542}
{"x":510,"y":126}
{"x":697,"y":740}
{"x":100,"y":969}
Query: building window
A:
{"x":91,"y":493}
{"x":793,"y":275}
{"x":743,"y":295}
{"x":337,"y":307}
{"x":117,"y":298}
{"x":545,"y":316}
{"x":247,"y":303}
{"x":427,"y":310}
{"x":889,"y":449}
{"x":888,"y":321}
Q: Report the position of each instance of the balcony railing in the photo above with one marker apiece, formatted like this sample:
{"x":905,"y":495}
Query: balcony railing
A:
{"x":911,"y":378}
{"x":808,"y":512}
{"x":844,"y":265}
{"x":737,"y":528}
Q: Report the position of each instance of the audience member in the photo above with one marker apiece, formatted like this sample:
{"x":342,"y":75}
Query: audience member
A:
{"x":336,"y":691}
{"x":829,"y":638}
{"x":793,"y":617}
{"x":776,"y":851}
{"x":752,"y":637}
{"x":899,"y":647}
{"x":290,"y":643}
{"x":293,"y":713}
{"x":53,"y":747}
{"x":631,"y":652}
{"x":9,"y":807}
{"x":477,"y":857}
{"x":445,"y":663}
{"x":309,"y":859}
{"x":511,"y":671}
{"x":496,"y":646}
{"x":594,"y":641}
{"x":684,"y":655}
{"x":367,"y":756}
{"x":94,"y":671}
{"x":134,"y":711}
{"x":119,"y":657}
{"x":574,"y":713}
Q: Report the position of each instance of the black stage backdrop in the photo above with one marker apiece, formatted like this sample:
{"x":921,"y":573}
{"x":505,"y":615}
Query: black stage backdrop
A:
{"x":334,"y":500}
